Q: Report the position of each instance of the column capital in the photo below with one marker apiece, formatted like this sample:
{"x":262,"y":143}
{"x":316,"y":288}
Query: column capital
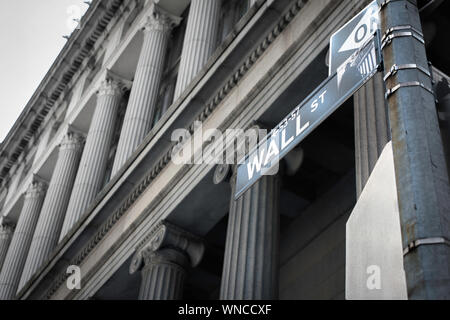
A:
{"x":6,"y":226}
{"x":160,"y":20}
{"x":36,"y":189}
{"x":72,"y":140}
{"x":110,"y":87}
{"x":165,"y":256}
{"x":124,"y":83}
{"x":168,"y":243}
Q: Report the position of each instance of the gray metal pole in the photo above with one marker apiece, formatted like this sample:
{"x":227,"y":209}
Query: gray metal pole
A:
{"x":421,"y":173}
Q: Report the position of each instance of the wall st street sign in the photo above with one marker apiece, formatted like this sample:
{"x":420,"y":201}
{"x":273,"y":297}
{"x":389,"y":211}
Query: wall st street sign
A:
{"x":356,"y":70}
{"x":349,"y":38}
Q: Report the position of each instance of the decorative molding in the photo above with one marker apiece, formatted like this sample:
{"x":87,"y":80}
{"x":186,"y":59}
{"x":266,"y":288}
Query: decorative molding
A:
{"x":232,"y":82}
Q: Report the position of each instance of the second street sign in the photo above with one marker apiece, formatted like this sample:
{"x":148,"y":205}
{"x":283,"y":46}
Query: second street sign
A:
{"x":349,"y":38}
{"x":309,"y":114}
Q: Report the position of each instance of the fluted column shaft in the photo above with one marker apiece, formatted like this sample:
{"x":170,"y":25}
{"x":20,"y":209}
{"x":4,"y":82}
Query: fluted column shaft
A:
{"x":147,"y":81}
{"x":199,"y":41}
{"x":164,"y":261}
{"x":93,"y":162}
{"x":371,"y":128}
{"x":163,"y":275}
{"x":50,"y":221}
{"x":250,"y":270}
{"x":21,"y":241}
{"x":6,"y":233}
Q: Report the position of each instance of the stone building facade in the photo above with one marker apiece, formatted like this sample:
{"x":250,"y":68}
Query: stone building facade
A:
{"x":86,"y":177}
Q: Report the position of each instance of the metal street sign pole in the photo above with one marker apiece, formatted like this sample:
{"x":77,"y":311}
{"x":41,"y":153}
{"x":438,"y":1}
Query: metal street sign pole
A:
{"x":309,"y":114}
{"x":421,"y":173}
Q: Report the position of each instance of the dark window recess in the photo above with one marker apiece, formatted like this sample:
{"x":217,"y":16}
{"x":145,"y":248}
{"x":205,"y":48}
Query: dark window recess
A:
{"x":95,"y":66}
{"x":171,"y":66}
{"x":232,"y":12}
{"x":56,"y":126}
{"x":131,"y":18}
{"x":115,"y":141}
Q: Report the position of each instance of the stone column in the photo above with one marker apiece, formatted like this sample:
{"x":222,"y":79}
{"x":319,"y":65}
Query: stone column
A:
{"x":199,"y":41}
{"x":164,"y":260}
{"x":371,"y":128}
{"x":250,"y":270}
{"x":21,"y":241}
{"x":93,"y":162}
{"x":147,"y":80}
{"x":55,"y":204}
{"x":6,"y":233}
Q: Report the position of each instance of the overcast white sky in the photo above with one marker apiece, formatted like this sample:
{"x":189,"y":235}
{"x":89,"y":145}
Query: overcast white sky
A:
{"x":31,"y":36}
